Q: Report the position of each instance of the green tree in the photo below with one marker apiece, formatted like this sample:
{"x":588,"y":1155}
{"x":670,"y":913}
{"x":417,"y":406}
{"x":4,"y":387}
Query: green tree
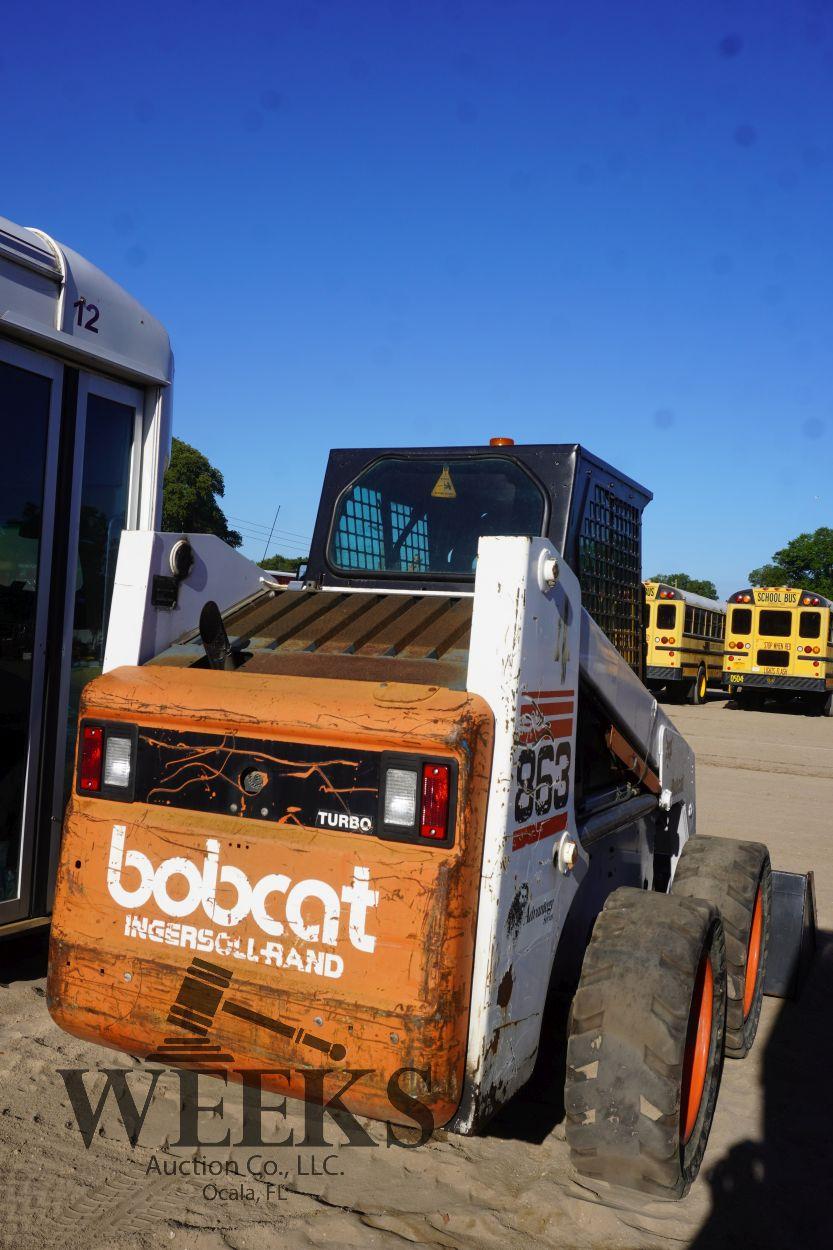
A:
{"x":682,"y":581}
{"x":284,"y":564}
{"x":806,"y":561}
{"x":189,"y":501}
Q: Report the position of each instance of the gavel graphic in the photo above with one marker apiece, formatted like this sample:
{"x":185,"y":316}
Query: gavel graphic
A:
{"x":201,"y":995}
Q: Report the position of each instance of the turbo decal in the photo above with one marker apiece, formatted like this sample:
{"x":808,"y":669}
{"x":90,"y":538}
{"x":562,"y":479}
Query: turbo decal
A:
{"x":341,"y":820}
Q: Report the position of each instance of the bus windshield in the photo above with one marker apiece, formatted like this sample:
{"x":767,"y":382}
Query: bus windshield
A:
{"x":414,"y":516}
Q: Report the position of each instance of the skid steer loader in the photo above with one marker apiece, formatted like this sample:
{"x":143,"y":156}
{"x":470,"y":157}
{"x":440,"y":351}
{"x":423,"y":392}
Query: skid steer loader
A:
{"x":372,"y":820}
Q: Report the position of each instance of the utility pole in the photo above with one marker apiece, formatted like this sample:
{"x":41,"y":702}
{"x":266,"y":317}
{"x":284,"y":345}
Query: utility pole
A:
{"x":271,"y":532}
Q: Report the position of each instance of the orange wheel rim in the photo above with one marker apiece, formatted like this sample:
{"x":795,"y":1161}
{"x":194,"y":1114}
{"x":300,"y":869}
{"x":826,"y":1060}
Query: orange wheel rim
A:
{"x":753,"y":954}
{"x":702,"y":687}
{"x":698,"y":1045}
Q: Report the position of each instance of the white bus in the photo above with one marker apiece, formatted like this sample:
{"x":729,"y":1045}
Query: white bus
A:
{"x":85,"y":414}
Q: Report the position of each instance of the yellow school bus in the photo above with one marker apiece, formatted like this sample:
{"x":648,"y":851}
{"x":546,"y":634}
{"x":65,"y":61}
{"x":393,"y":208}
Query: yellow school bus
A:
{"x":684,"y":642}
{"x":779,"y":643}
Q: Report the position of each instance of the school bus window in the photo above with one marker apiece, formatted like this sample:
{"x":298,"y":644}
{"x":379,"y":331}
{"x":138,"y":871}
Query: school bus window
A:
{"x":689,"y":620}
{"x":775,"y":624}
{"x":774,"y":659}
{"x":666,"y":616}
{"x":809,"y":625}
{"x":741,"y":621}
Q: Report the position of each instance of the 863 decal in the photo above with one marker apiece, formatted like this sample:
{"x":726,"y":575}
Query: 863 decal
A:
{"x":542,"y":780}
{"x":542,"y":765}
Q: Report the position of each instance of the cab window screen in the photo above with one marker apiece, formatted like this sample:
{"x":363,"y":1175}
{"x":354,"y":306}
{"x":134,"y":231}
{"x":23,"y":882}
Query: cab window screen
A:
{"x":775,"y":624}
{"x":666,"y":616}
{"x":809,"y":625}
{"x":741,"y":620}
{"x":426,"y":516}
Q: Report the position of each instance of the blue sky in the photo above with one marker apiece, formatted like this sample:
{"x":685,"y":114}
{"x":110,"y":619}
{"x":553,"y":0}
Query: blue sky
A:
{"x":387,"y":223}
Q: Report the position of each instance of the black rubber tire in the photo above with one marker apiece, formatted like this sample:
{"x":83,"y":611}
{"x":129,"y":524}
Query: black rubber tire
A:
{"x":826,"y":704}
{"x":728,"y":874}
{"x":626,"y":1043}
{"x":698,"y":688}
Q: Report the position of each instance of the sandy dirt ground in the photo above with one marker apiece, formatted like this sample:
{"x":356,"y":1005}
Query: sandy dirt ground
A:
{"x":765,"y":1180}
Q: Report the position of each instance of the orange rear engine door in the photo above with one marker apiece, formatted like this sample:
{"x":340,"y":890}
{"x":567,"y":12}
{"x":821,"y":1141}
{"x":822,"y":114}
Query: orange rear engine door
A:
{"x":238,"y":902}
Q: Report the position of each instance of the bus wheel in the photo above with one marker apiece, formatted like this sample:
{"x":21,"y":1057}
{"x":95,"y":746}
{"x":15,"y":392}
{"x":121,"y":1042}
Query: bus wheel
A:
{"x":826,"y":704}
{"x":645,"y":1043}
{"x":697,"y":690}
{"x":737,"y":879}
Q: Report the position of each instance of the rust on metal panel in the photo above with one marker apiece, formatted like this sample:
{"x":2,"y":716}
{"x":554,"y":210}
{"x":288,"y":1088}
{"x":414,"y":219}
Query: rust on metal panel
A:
{"x":295,"y":615}
{"x":448,"y":673}
{"x":364,"y":624}
{"x":632,"y":760}
{"x":164,"y":976}
{"x":449,"y":631}
{"x":375,"y":613}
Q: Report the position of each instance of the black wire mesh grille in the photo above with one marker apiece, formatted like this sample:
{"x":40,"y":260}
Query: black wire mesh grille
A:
{"x":610,"y":570}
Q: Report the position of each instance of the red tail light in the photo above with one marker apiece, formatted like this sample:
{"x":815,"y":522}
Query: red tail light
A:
{"x":664,"y":641}
{"x":435,"y":798}
{"x":92,"y":743}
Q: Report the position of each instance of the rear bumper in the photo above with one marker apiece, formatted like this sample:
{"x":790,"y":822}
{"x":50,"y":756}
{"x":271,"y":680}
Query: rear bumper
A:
{"x":656,"y":673}
{"x":768,"y":681}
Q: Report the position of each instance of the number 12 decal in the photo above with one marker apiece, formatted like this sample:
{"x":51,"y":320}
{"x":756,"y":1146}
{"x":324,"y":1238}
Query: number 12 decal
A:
{"x":92,"y":310}
{"x":543,"y":780}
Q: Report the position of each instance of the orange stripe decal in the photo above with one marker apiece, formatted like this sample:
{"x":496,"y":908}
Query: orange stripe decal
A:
{"x":548,"y":709}
{"x":555,"y":729}
{"x":539,"y":831}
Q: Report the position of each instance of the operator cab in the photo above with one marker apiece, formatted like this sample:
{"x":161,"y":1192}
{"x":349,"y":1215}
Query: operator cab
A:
{"x":410,"y":519}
